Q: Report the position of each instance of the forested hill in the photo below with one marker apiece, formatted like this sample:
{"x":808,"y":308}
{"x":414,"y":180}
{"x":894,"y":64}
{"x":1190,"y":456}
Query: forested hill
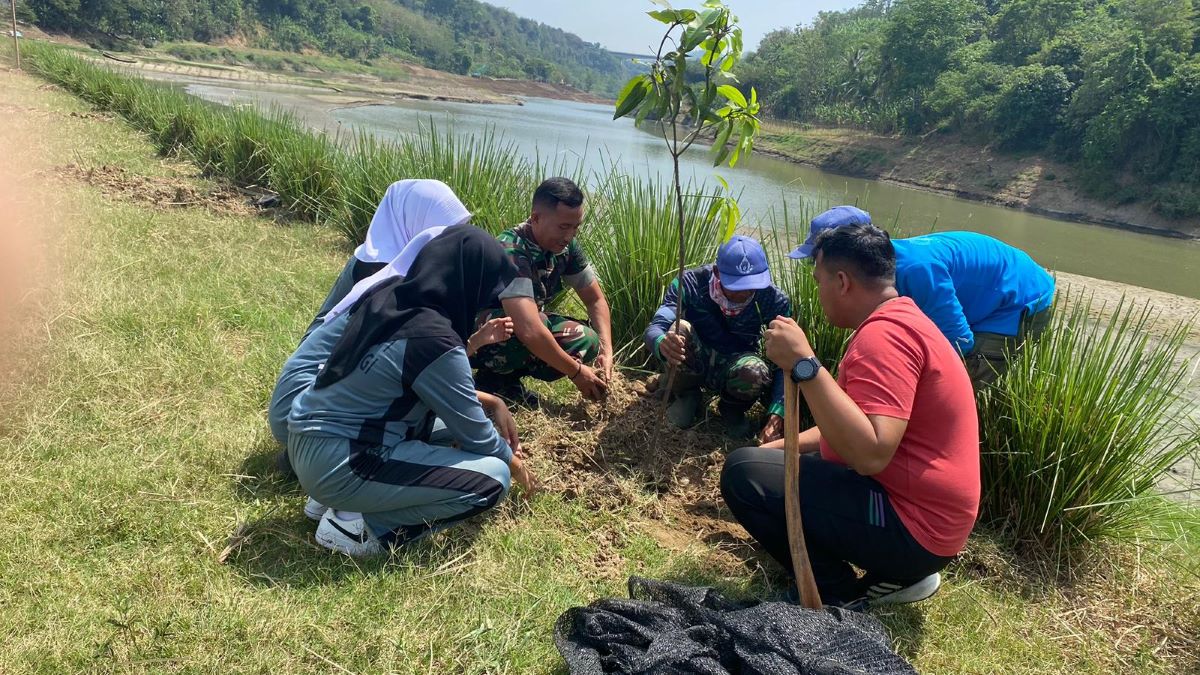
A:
{"x":1110,"y":85}
{"x":461,"y":36}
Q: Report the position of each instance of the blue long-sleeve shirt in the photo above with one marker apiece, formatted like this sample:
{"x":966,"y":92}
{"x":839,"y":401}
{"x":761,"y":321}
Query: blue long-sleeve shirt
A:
{"x":395,"y":394}
{"x":968,"y":283}
{"x":730,"y":335}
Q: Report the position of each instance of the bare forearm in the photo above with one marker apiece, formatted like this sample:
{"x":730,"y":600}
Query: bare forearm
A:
{"x":810,"y":441}
{"x":601,"y":320}
{"x":842,"y":423}
{"x":486,"y":400}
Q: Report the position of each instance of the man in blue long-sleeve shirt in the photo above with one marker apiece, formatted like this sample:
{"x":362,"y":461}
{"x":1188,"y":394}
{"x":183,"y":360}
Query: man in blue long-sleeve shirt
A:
{"x":985,"y":296}
{"x":727,"y":305}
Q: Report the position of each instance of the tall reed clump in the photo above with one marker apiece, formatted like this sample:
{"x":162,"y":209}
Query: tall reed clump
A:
{"x":632,"y":239}
{"x":1078,"y":432}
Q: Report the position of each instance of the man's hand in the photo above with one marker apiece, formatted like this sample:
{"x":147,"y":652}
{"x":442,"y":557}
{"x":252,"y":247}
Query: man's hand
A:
{"x":590,"y":384}
{"x":773,"y":430}
{"x":522,"y":476}
{"x":673,"y":348}
{"x":786,"y":343}
{"x":604,"y":362}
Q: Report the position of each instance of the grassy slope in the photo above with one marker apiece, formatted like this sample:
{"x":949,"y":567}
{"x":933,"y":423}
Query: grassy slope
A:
{"x":138,"y":448}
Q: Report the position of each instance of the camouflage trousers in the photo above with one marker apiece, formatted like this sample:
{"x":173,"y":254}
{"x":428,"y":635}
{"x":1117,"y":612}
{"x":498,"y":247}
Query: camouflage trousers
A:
{"x":512,"y":357}
{"x":988,"y":360}
{"x":739,"y":379}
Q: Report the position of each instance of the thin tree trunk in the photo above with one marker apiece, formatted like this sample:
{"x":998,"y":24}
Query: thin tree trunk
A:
{"x":672,"y":370}
{"x":16,"y":43}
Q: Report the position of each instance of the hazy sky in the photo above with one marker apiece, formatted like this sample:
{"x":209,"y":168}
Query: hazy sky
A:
{"x":621,"y":25}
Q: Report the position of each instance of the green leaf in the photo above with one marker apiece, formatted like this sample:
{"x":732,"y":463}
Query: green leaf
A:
{"x":649,"y":105}
{"x":690,"y":95}
{"x":709,"y":19}
{"x":692,"y":37}
{"x":722,"y":155}
{"x":720,"y":147}
{"x":731,"y":92}
{"x":733,"y":215}
{"x":673,"y":16}
{"x":634,"y":92}
{"x":744,"y":147}
{"x":721,"y":77}
{"x":714,"y":209}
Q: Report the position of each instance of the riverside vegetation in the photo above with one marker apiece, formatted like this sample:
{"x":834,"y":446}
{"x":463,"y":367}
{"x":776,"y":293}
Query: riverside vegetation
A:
{"x":1111,"y":86}
{"x":1071,"y":451}
{"x":457,"y":36}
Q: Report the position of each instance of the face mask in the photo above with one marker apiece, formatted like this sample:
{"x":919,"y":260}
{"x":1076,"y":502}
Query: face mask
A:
{"x":728,"y":307}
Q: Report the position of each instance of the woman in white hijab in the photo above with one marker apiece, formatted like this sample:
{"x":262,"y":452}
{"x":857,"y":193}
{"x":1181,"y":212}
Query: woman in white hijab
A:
{"x":302,"y":366}
{"x":408,"y":207}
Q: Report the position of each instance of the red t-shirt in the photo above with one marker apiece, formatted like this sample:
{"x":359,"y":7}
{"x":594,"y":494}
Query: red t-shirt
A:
{"x":899,"y":364}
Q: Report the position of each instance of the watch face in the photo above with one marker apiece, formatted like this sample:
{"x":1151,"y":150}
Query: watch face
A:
{"x":804,"y":370}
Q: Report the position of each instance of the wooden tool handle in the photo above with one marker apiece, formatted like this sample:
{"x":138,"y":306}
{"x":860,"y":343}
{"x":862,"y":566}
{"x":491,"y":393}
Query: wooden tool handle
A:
{"x":810,"y":597}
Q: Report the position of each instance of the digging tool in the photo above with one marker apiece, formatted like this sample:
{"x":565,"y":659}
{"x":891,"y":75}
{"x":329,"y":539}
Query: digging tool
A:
{"x":806,"y":585}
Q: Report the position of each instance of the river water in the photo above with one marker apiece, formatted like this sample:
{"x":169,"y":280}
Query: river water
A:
{"x":586,"y":132}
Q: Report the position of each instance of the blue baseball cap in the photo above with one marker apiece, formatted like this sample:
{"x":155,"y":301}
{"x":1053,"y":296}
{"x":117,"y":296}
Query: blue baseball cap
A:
{"x":743,"y":265}
{"x":832,"y":219}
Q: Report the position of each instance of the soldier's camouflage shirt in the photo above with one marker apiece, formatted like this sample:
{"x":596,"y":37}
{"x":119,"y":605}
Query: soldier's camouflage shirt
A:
{"x":540,"y":273}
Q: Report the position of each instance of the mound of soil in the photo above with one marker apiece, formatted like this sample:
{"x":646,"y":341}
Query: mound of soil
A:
{"x":160,"y":192}
{"x":624,"y":451}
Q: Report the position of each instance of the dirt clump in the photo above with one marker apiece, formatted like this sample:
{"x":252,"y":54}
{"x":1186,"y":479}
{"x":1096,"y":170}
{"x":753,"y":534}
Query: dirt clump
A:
{"x":623,"y":451}
{"x":160,"y":192}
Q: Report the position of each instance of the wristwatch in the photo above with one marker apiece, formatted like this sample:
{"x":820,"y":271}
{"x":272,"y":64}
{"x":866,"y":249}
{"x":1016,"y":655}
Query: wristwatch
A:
{"x":806,"y":369}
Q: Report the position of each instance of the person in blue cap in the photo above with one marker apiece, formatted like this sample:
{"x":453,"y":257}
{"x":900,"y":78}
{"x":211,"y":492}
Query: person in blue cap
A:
{"x":986,"y":297}
{"x":718,"y":347}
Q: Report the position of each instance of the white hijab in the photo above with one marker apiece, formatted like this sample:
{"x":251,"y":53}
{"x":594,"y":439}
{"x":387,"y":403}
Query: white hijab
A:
{"x":408,"y":207}
{"x":398,"y":267}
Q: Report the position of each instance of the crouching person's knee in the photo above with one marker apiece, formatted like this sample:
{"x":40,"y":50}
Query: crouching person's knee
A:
{"x":739,"y":477}
{"x":497,"y":483}
{"x":579,"y":340}
{"x":747,"y":379}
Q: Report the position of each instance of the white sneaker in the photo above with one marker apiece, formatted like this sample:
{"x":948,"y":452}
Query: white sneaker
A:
{"x":351,"y":537}
{"x":884,"y":593}
{"x":313,"y":509}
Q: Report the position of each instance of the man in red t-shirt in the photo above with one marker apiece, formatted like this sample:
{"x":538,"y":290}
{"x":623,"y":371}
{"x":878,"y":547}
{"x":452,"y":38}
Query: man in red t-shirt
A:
{"x":895,"y":486}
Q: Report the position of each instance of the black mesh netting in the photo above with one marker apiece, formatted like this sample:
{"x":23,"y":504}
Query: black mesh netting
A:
{"x":666,"y":628}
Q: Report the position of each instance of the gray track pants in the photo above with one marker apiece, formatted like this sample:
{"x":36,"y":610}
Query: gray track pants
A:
{"x":405,"y":491}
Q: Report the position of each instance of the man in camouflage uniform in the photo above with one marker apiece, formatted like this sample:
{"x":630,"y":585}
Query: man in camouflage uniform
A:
{"x":727,"y":305}
{"x":548,"y":345}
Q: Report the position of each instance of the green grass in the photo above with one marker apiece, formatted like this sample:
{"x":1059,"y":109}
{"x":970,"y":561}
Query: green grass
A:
{"x":1082,"y":426}
{"x":136,"y":450}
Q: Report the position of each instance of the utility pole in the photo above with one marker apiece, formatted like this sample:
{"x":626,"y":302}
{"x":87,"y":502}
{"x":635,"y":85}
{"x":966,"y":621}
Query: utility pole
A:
{"x":16,"y":43}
